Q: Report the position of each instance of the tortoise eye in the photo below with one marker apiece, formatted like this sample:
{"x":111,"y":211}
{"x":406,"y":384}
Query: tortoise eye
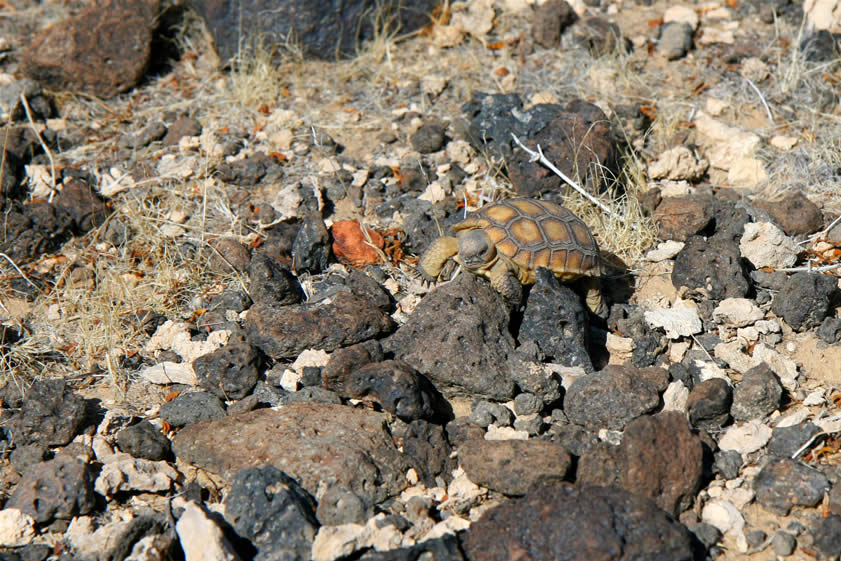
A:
{"x":476,"y":247}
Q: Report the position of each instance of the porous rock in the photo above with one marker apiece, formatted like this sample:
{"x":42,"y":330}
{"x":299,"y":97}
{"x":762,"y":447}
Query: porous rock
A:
{"x":757,"y":395}
{"x":58,"y":488}
{"x":230,"y":372}
{"x":711,"y":268}
{"x":709,"y":403}
{"x":272,"y":283}
{"x":785,"y":483}
{"x":50,"y":414}
{"x":190,"y":407}
{"x":678,"y":218}
{"x":311,"y":248}
{"x":512,"y":467}
{"x":144,"y":440}
{"x":805,"y":299}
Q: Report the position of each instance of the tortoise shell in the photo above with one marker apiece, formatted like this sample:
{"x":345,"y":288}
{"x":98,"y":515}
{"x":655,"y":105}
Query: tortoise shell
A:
{"x":534,"y":234}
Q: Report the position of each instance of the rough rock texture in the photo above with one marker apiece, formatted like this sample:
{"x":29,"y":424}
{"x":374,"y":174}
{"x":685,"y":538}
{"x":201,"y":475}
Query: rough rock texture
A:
{"x":785,"y":441}
{"x":804,"y":300}
{"x":50,"y":414}
{"x":678,"y":218}
{"x":228,"y":254}
{"x":324,"y":30}
{"x":675,"y":40}
{"x":556,"y":321}
{"x":427,"y":444}
{"x":59,"y":488}
{"x":271,"y":283}
{"x":662,"y":459}
{"x":33,"y":229}
{"x":795,"y":214}
{"x":458,"y":337}
{"x":785,"y":483}
{"x":759,"y":393}
{"x":613,"y":397}
{"x":567,"y":522}
{"x":191,"y":407}
{"x":270,"y":509}
{"x":285,"y":331}
{"x":230,"y":372}
{"x":311,"y":248}
{"x":311,"y":442}
{"x":550,"y":20}
{"x":144,"y":440}
{"x":709,"y":404}
{"x":826,"y":537}
{"x":512,"y":467}
{"x":445,"y":548}
{"x":711,"y":269}
{"x":345,"y":361}
{"x":104,"y":51}
{"x":85,"y":207}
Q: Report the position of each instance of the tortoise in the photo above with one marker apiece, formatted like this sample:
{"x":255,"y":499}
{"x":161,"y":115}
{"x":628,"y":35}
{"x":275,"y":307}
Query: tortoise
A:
{"x":508,"y":240}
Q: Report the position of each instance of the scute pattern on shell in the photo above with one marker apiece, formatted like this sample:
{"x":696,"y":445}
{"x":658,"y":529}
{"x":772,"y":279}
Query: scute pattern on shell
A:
{"x":536,"y":234}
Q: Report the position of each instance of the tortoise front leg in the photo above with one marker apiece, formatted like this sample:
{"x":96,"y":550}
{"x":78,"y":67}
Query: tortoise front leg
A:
{"x":593,"y":295}
{"x":504,"y":280}
{"x":436,"y":255}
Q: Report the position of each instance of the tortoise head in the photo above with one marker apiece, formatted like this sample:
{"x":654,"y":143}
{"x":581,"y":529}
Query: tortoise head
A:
{"x":476,"y":249}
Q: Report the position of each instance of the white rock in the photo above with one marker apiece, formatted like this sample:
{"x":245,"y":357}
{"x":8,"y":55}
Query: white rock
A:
{"x":619,"y":348}
{"x":724,"y":144}
{"x":815,"y":398}
{"x":175,"y":336}
{"x":505,"y":433}
{"x":433,"y":84}
{"x":830,"y":425}
{"x":290,"y":380}
{"x":334,"y":542}
{"x":724,"y":516}
{"x":715,"y":107}
{"x":739,"y":496}
{"x":767,"y":326}
{"x":434,"y":192}
{"x":683,"y":14}
{"x":737,"y":312}
{"x":745,"y":438}
{"x":783,"y":367}
{"x":664,"y":250}
{"x":16,"y":528}
{"x":201,"y":539}
{"x":708,"y":370}
{"x":451,"y":525}
{"x":678,"y":321}
{"x":754,"y":69}
{"x":676,"y":397}
{"x":174,"y":166}
{"x":746,"y":172}
{"x":765,"y":245}
{"x":122,"y":472}
{"x":460,"y":152}
{"x":678,"y":163}
{"x":732,"y":352}
{"x":794,"y":418}
{"x":168,"y":372}
{"x":784,"y":143}
{"x":713,"y":35}
{"x":677,"y":350}
{"x":749,"y":334}
{"x":669,"y":188}
{"x":823,"y":14}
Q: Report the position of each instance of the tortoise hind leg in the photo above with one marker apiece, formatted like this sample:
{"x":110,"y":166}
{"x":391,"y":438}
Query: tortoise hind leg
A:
{"x":593,"y":295}
{"x":436,"y":255}
{"x":504,"y":281}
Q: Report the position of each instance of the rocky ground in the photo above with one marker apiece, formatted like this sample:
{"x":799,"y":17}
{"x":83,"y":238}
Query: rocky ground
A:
{"x":215,"y":343}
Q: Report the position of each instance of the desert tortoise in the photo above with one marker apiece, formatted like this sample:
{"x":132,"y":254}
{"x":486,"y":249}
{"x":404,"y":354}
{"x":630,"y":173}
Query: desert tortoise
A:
{"x":508,"y":240}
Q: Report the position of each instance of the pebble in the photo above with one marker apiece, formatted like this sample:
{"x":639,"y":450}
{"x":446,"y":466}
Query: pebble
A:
{"x":144,"y":440}
{"x":429,"y":138}
{"x":676,"y":397}
{"x":675,"y":40}
{"x":353,"y":246}
{"x":765,"y":245}
{"x":678,"y":321}
{"x":745,"y":438}
{"x":270,"y":282}
{"x":682,"y":14}
{"x":757,"y":395}
{"x":664,"y":250}
{"x":58,"y":488}
{"x":50,"y":415}
{"x":783,"y":543}
{"x":728,"y":463}
{"x":826,"y":536}
{"x":527,"y":404}
{"x":311,"y":247}
{"x":804,"y":300}
{"x":16,"y":528}
{"x":339,"y":506}
{"x":124,"y":473}
{"x":191,"y":407}
{"x":550,"y":20}
{"x":795,"y":214}
{"x":830,"y":330}
{"x":737,"y":312}
{"x":228,"y":255}
{"x":785,"y":483}
{"x":724,"y":516}
{"x":512,"y":467}
{"x":678,"y":218}
{"x":201,"y":537}
{"x":229,"y":372}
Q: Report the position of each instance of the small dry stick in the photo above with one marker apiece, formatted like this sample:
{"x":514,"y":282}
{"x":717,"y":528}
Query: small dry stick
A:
{"x":43,"y":144}
{"x":538,"y":156}
{"x":822,"y":233}
{"x":810,"y":269}
{"x":762,"y":99}
{"x":21,"y":273}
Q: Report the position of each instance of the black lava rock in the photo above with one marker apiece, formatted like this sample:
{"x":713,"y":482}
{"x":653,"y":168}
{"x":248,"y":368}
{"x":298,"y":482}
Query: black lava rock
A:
{"x":272,"y":283}
{"x":313,"y":395}
{"x":804,"y":300}
{"x":427,"y":445}
{"x":445,"y":548}
{"x":785,"y":483}
{"x":430,"y":137}
{"x":311,"y":248}
{"x":727,"y":463}
{"x":341,"y":506}
{"x":59,"y":488}
{"x":364,"y":286}
{"x":144,"y":440}
{"x":270,"y":509}
{"x":711,"y":269}
{"x":486,"y":413}
{"x":24,"y":457}
{"x":785,"y":441}
{"x":709,"y":404}
{"x":830,"y":330}
{"x":826,"y":537}
{"x":50,"y":414}
{"x":758,"y":394}
{"x":230,"y":372}
{"x":556,"y":321}
{"x":190,"y":407}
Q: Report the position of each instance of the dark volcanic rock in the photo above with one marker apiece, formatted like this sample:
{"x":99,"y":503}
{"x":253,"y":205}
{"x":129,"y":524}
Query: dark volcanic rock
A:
{"x":314,"y":395}
{"x":250,"y":171}
{"x":344,"y":361}
{"x":611,"y":398}
{"x":445,"y":548}
{"x":728,"y":463}
{"x":675,"y":40}
{"x":181,"y":127}
{"x":662,"y":459}
{"x":826,"y":537}
{"x":430,"y":137}
{"x":579,"y":142}
{"x":24,"y":457}
{"x":486,"y":413}
{"x":228,"y":254}
{"x":11,"y":168}
{"x":82,"y":204}
{"x":104,"y":51}
{"x":231,"y":371}
{"x":271,"y":510}
{"x":324,"y":30}
{"x":567,"y":522}
{"x":804,"y":300}
{"x":33,"y":229}
{"x":830,"y":330}
{"x":343,"y":320}
{"x":191,"y":407}
{"x":599,"y":36}
{"x":397,"y":387}
{"x":272,"y":283}
{"x":458,"y":337}
{"x":311,"y":248}
{"x":556,"y":321}
{"x":649,"y":342}
{"x":795,"y":214}
{"x":512,"y":467}
{"x":59,"y":488}
{"x":758,"y":394}
{"x":709,"y":404}
{"x":311,"y":442}
{"x":785,"y":483}
{"x":50,"y":414}
{"x":711,"y":269}
{"x":678,"y":218}
{"x":144,"y":440}
{"x":427,"y":445}
{"x":340,"y":506}
{"x":785,"y":441}
{"x":366,"y":287}
{"x":550,"y":20}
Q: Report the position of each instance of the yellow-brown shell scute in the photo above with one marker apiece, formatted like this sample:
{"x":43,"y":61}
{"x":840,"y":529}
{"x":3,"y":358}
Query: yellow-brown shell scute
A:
{"x":536,"y":234}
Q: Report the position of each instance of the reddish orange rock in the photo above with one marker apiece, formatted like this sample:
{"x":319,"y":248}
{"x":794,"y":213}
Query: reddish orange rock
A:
{"x":350,"y":243}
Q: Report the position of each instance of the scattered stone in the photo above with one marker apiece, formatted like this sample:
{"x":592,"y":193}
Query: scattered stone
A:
{"x":745,"y":438}
{"x":272,"y":283}
{"x":795,"y":214}
{"x":229,"y":372}
{"x":82,"y":204}
{"x":228,"y":254}
{"x":16,"y":528}
{"x":755,"y":539}
{"x":709,"y":404}
{"x":364,"y":286}
{"x":664,"y":250}
{"x":765,"y":245}
{"x":804,"y":300}
{"x":445,"y":548}
{"x":338,"y":542}
{"x":123,"y":473}
{"x":527,"y":404}
{"x":785,"y":483}
{"x":352,"y":244}
{"x":556,"y":321}
{"x":50,"y":414}
{"x":550,"y":20}
{"x":830,"y":330}
{"x":725,"y":146}
{"x":586,"y":522}
{"x":191,"y":407}
{"x":144,"y":440}
{"x":737,"y":312}
{"x":273,"y":512}
{"x":611,"y":398}
{"x":339,"y":506}
{"x":200,"y":537}
{"x":345,"y":361}
{"x":786,"y":441}
{"x":826,"y":537}
{"x":181,"y":127}
{"x":723,"y":515}
{"x":678,"y":164}
{"x":343,"y":320}
{"x":678,"y":321}
{"x":757,"y":395}
{"x":311,"y":248}
{"x":310,"y":442}
{"x":427,"y":445}
{"x":250,"y":171}
{"x":783,"y":543}
{"x":599,"y":36}
{"x":67,"y":56}
{"x":429,"y":138}
{"x":728,"y":463}
{"x":683,"y":14}
{"x":152,"y":132}
{"x":662,"y":459}
{"x":707,"y":534}
{"x":711,"y":269}
{"x":24,"y":457}
{"x":512,"y":467}
{"x":471,"y":354}
{"x":486,"y":413}
{"x":58,"y":488}
{"x":675,"y":40}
